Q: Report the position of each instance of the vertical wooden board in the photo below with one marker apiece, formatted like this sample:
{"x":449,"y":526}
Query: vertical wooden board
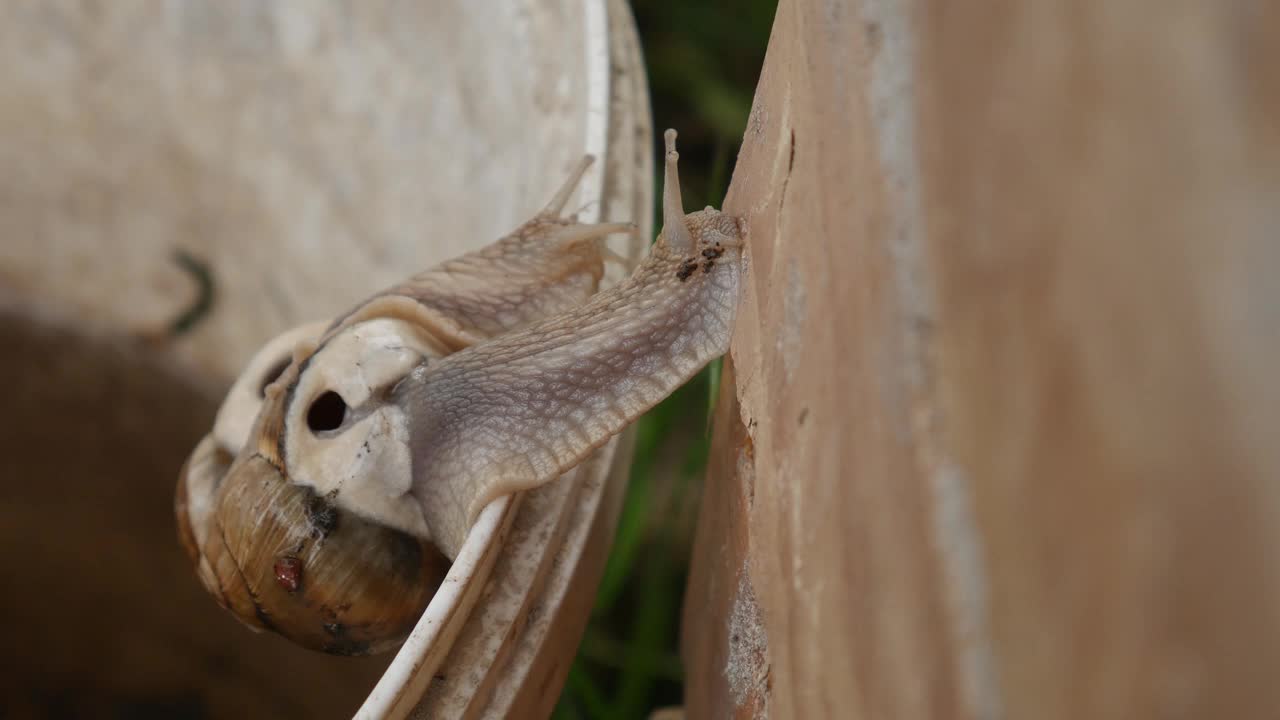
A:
{"x":1103,"y":197}
{"x":834,"y":385}
{"x":724,"y":644}
{"x":1000,"y":442}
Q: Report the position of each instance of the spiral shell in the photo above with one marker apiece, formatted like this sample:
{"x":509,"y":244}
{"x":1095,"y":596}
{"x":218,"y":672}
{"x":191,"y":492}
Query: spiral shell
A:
{"x":277,"y":553}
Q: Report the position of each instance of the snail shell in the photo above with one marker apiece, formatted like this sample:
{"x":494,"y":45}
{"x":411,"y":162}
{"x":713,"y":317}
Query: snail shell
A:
{"x":281,"y":549}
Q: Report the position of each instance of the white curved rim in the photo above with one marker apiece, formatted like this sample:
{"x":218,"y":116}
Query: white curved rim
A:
{"x":396,"y":691}
{"x":595,"y":23}
{"x":411,"y":658}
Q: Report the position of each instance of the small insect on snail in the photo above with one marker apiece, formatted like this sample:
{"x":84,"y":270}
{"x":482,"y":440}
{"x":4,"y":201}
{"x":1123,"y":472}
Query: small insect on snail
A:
{"x":349,"y":460}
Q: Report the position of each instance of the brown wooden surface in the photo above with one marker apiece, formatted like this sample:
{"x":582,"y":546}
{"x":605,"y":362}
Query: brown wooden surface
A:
{"x":1000,"y":441}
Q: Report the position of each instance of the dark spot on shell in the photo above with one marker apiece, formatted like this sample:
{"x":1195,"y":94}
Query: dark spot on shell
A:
{"x":290,"y":390}
{"x":262,"y":616}
{"x":322,"y":515}
{"x":406,"y":555}
{"x":686,"y":269}
{"x":343,"y":643}
{"x":288,"y":571}
{"x":712,"y":253}
{"x":707,"y":265}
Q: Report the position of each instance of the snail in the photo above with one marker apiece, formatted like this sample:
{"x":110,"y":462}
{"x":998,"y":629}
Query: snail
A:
{"x":350,"y":459}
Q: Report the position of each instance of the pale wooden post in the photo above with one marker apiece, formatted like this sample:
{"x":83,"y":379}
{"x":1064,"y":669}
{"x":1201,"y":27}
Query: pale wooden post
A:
{"x":997,"y":438}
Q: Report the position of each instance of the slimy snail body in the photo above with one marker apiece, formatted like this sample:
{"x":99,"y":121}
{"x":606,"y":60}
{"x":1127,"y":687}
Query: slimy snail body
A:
{"x":350,"y":460}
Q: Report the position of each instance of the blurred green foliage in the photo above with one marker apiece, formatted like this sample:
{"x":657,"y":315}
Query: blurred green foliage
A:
{"x":703,"y":59}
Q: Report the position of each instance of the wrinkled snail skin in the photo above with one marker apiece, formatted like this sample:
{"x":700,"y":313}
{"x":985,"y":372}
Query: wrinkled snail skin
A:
{"x":517,"y":411}
{"x":348,"y":464}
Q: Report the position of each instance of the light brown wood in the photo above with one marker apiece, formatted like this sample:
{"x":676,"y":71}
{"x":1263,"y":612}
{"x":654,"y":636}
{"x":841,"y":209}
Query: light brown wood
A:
{"x":999,"y":443}
{"x":724,"y":641}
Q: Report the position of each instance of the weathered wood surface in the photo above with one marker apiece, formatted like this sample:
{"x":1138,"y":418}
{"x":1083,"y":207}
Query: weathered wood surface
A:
{"x":1000,"y":441}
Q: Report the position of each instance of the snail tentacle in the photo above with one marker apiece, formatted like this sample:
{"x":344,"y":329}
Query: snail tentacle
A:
{"x":342,"y":478}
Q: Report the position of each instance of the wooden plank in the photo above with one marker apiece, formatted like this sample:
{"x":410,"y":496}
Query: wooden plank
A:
{"x":1105,"y":188}
{"x":838,"y":493}
{"x":998,"y":443}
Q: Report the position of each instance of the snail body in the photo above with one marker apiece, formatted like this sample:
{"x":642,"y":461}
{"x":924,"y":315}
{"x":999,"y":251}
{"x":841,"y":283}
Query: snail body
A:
{"x":349,"y":461}
{"x":269,"y":537}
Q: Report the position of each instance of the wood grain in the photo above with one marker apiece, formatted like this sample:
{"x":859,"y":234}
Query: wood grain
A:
{"x":1004,"y":370}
